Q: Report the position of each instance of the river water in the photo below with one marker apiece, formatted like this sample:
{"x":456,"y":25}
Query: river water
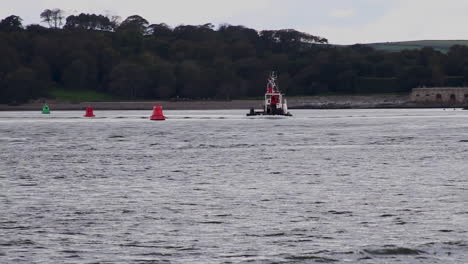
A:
{"x":325,"y":186}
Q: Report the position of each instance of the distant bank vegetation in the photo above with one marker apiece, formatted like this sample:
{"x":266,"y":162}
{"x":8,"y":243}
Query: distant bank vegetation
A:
{"x":440,"y":45}
{"x":98,"y":55}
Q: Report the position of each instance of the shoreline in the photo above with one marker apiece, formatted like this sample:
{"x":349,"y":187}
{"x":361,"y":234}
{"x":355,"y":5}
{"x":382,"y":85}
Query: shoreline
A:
{"x":384,"y":101}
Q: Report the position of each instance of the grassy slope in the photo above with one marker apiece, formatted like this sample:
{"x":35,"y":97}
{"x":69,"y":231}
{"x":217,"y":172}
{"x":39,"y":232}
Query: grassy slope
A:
{"x":80,"y":96}
{"x":442,"y":45}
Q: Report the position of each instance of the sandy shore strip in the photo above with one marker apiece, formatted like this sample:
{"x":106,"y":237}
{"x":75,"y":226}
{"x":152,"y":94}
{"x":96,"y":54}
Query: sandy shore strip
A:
{"x":305,"y":102}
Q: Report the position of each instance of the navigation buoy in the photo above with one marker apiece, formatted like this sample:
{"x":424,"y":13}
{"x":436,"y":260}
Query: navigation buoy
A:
{"x":45,"y":109}
{"x":89,"y":112}
{"x":158,"y":114}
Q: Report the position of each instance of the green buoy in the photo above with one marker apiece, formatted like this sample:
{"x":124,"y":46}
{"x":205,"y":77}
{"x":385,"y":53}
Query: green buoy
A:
{"x":46,"y":109}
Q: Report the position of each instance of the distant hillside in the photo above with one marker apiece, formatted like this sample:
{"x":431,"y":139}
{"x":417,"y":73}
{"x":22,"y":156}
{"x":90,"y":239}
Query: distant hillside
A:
{"x":92,"y":58}
{"x":441,"y":45}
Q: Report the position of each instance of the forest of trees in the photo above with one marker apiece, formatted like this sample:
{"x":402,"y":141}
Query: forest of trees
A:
{"x":134,"y":59}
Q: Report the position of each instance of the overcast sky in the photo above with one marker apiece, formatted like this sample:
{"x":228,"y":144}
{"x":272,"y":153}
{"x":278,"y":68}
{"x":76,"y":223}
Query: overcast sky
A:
{"x":341,"y":21}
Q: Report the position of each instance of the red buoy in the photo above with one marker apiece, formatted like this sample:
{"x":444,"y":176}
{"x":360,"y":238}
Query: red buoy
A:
{"x":89,"y":112}
{"x":158,"y":113}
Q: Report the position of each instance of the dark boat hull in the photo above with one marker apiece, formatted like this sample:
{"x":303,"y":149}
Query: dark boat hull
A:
{"x":268,"y":114}
{"x":273,"y":112}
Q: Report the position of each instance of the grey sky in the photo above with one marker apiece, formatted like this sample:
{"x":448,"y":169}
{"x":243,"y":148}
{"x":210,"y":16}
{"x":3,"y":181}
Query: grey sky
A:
{"x":341,"y":21}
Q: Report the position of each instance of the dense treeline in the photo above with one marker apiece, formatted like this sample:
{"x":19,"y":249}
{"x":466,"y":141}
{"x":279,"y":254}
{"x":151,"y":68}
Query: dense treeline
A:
{"x":137,"y":60}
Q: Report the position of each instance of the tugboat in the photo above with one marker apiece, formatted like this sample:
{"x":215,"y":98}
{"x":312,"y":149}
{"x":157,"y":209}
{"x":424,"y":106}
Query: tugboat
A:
{"x":275,"y":103}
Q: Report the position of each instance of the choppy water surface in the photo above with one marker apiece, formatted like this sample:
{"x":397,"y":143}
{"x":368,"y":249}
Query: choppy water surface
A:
{"x":342,"y":186}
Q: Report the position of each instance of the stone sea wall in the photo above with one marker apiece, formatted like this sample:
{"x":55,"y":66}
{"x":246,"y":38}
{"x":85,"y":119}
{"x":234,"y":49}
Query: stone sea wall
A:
{"x":307,"y":102}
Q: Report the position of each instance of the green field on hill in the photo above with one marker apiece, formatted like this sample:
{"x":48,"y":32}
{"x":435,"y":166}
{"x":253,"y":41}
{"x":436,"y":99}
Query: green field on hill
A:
{"x":441,"y":45}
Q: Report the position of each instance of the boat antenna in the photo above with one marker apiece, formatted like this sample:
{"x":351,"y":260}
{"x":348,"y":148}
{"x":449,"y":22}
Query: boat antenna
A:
{"x":272,"y":81}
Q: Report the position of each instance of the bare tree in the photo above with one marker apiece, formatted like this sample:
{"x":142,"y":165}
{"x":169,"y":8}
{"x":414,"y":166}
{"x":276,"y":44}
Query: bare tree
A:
{"x":115,"y":21}
{"x":54,"y":18}
{"x":46,"y":16}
